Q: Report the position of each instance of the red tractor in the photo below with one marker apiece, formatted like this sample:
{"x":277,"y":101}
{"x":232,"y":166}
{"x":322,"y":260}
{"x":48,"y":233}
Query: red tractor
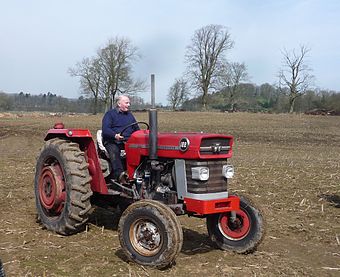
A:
{"x":169,"y":174}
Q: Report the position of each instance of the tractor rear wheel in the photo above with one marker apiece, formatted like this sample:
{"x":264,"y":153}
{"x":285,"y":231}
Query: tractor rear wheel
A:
{"x":150,"y":234}
{"x":241,"y":234}
{"x":62,"y":187}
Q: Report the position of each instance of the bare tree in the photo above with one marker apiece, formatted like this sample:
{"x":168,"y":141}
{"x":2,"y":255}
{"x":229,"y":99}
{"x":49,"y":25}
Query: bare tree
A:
{"x":205,"y":57}
{"x":295,"y":74}
{"x":178,"y":93}
{"x":89,"y":71}
{"x":232,"y":75}
{"x":116,"y":60}
{"x":110,"y":72}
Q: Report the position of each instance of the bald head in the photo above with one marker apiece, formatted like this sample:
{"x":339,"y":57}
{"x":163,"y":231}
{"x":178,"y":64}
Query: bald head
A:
{"x":123,"y":103}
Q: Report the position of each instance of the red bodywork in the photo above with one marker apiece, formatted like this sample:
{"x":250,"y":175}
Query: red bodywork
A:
{"x":168,"y":147}
{"x":137,"y":147}
{"x":202,"y":207}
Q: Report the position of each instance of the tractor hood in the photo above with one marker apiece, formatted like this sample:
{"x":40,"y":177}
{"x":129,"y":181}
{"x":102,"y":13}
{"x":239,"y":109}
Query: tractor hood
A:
{"x":181,"y":145}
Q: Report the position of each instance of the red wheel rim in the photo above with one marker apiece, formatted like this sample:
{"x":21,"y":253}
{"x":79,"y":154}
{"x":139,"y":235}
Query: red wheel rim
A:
{"x":52,"y":189}
{"x":236,"y":230}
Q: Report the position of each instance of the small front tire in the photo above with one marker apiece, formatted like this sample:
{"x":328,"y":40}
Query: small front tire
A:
{"x":241,"y":235}
{"x":150,"y":234}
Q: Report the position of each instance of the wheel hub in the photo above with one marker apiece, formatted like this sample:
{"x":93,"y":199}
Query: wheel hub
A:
{"x":146,"y":238}
{"x":237,"y":228}
{"x":52,"y":189}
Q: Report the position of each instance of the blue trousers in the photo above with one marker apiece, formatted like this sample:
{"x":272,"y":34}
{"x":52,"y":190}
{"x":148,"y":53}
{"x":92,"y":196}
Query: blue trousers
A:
{"x":114,"y":154}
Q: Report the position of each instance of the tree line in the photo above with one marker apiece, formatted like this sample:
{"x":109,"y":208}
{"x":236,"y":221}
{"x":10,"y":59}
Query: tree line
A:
{"x":49,"y":102}
{"x":209,"y":81}
{"x":250,"y":98}
{"x":269,"y":99}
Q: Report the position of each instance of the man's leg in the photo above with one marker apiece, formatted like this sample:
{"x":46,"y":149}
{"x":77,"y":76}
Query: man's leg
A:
{"x":116,"y":163}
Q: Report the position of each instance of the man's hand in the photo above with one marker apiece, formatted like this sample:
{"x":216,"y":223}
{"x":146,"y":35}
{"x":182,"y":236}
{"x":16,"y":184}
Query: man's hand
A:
{"x":119,"y":137}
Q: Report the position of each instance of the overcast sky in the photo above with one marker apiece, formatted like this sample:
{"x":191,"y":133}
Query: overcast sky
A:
{"x":41,"y":39}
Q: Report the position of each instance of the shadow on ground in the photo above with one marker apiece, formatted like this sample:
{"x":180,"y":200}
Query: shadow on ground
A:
{"x":333,"y":199}
{"x":193,"y":241}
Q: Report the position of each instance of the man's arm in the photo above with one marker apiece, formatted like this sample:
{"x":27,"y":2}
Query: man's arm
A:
{"x":107,"y":122}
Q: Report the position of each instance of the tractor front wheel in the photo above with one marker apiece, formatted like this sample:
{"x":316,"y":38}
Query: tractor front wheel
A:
{"x":240,"y":232}
{"x":150,"y":234}
{"x":62,"y":187}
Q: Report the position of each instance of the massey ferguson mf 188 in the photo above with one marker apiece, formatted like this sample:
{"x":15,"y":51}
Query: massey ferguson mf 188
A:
{"x":169,"y":175}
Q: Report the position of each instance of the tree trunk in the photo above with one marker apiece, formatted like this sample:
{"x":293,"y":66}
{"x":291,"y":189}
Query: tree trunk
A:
{"x":291,"y":104}
{"x":107,"y":105}
{"x":204,"y":99}
{"x":95,"y":105}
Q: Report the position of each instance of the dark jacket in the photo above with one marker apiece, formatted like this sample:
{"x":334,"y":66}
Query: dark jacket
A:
{"x":114,"y":121}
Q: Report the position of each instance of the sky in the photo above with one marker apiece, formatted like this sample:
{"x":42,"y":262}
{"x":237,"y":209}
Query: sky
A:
{"x":41,"y":39}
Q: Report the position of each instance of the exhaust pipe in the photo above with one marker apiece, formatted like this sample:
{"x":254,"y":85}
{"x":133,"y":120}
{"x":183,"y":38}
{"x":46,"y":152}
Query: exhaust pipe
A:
{"x":153,"y":123}
{"x":156,"y":166}
{"x":153,"y":134}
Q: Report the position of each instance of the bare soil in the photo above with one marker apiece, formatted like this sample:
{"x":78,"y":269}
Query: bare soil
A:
{"x":288,"y":164}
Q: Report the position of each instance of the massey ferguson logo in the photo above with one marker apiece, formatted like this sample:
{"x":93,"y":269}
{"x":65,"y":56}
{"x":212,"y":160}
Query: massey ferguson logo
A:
{"x":184,"y":144}
{"x":216,"y":148}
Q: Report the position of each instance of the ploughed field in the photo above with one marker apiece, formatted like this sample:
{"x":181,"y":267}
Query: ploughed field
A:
{"x":288,"y":164}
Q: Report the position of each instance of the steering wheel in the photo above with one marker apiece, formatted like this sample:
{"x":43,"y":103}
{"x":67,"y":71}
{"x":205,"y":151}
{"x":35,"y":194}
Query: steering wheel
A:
{"x":132,"y":124}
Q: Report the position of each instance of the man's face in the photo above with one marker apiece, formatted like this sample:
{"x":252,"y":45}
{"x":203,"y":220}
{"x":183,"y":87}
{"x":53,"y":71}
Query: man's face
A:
{"x":124,"y":104}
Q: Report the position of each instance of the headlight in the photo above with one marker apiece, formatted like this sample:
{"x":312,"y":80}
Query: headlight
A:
{"x":200,"y":173}
{"x":228,"y":171}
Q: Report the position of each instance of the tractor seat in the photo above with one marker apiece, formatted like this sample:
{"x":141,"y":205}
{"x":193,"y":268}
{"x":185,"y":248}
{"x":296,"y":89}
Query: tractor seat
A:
{"x":101,"y":147}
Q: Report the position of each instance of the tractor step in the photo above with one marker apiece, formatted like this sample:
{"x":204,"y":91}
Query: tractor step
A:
{"x":115,"y":188}
{"x":113,"y":192}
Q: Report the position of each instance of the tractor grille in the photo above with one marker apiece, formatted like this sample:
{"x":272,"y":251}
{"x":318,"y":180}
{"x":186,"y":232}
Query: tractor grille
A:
{"x":211,"y":146}
{"x":216,"y":182}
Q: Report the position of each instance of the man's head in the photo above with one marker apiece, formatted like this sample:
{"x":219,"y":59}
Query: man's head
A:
{"x":123,"y":103}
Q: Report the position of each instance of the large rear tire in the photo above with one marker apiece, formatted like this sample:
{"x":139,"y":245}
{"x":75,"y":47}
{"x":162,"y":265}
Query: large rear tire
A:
{"x":241,"y":235}
{"x":150,"y":234}
{"x":62,"y":187}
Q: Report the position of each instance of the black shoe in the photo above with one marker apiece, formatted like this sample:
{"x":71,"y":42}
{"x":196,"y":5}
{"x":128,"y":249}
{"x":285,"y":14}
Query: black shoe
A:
{"x":123,"y":178}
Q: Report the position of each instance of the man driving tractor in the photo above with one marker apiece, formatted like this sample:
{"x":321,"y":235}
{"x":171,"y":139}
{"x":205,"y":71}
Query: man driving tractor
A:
{"x":114,"y":121}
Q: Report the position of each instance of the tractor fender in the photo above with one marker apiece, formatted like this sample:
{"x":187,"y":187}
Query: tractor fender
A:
{"x":86,"y":144}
